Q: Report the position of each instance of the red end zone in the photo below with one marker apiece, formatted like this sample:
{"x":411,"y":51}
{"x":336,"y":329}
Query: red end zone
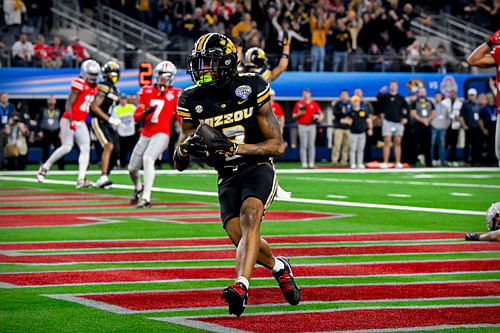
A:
{"x":182,"y":216}
{"x":371,"y":319}
{"x":215,"y":254}
{"x":143,"y":301}
{"x":164,"y":274}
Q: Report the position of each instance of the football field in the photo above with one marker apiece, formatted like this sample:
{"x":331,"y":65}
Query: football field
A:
{"x":373,"y":251}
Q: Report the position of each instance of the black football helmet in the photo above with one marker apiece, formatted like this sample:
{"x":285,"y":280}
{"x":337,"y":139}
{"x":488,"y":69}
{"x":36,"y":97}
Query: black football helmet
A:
{"x":111,"y":71}
{"x":255,"y":57}
{"x":213,"y":61}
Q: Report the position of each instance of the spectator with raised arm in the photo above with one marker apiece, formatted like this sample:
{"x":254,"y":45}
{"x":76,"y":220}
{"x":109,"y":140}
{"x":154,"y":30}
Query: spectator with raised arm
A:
{"x":319,"y":23}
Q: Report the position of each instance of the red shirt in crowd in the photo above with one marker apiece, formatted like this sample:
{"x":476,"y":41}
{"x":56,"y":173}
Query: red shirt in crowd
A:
{"x":311,"y":108}
{"x":77,"y":50}
{"x":278,"y":111}
{"x":58,"y":51}
{"x":42,"y":51}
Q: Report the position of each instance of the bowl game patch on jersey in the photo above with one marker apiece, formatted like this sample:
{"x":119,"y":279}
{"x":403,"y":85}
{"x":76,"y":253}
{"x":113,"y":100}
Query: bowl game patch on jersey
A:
{"x":243,"y":91}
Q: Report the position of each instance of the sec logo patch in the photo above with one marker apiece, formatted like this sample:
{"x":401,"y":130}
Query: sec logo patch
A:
{"x":198,"y":108}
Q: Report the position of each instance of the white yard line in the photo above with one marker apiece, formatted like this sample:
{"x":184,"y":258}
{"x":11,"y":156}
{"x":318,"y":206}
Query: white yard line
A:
{"x":283,"y":171}
{"x":191,"y":321}
{"x":459,"y":194}
{"x":298,"y":200}
{"x":228,"y":259}
{"x":444,"y":261}
{"x":397,"y":182}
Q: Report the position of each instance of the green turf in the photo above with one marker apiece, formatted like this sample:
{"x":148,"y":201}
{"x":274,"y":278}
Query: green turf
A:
{"x":25,"y":310}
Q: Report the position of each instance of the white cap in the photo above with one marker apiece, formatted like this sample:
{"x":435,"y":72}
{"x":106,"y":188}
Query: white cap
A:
{"x":471,"y":91}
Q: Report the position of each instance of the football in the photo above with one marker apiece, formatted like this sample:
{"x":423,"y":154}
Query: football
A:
{"x":208,"y":134}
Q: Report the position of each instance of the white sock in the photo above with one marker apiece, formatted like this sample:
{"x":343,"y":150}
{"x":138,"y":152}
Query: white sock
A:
{"x":278,"y":265}
{"x":243,"y":280}
{"x":149,"y":176}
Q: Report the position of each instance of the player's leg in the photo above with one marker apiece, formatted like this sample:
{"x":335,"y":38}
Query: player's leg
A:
{"x":82,"y":138}
{"x":67,"y":141}
{"x":256,"y":186}
{"x":497,"y":140}
{"x":107,"y":146}
{"x":265,"y":256}
{"x":156,"y":146}
{"x":135,"y":165}
{"x":115,"y":153}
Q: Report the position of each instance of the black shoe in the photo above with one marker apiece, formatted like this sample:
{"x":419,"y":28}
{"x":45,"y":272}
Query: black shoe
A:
{"x":144,"y":204}
{"x":134,"y":198}
{"x":236,"y":296}
{"x":287,"y":284}
{"x":472,"y":237}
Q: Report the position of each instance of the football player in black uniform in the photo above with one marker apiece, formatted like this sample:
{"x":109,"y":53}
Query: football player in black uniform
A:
{"x":238,"y":106}
{"x":255,"y":61}
{"x":106,"y":97}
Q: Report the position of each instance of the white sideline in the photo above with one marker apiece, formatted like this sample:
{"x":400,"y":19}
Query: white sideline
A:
{"x":298,"y":200}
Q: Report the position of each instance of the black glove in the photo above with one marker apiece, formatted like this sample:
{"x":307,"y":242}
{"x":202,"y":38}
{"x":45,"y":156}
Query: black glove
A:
{"x":194,"y":146}
{"x":284,"y":40}
{"x":242,"y":42}
{"x":472,"y":237}
{"x":224,"y":146}
{"x":148,"y":111}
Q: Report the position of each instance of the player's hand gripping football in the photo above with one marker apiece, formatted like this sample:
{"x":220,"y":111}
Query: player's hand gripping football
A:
{"x":194,"y":146}
{"x":495,"y":38}
{"x":224,"y":147}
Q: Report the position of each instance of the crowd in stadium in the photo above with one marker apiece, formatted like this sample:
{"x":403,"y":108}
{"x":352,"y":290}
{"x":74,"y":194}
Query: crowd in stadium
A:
{"x":431,"y":142}
{"x":333,"y":35}
{"x":327,"y":35}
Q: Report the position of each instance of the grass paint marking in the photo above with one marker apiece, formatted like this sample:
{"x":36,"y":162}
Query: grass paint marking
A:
{"x":227,"y":272}
{"x":298,"y":200}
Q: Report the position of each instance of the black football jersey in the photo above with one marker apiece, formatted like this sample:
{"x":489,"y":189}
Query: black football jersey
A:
{"x":112,"y":96}
{"x":232,"y":109}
